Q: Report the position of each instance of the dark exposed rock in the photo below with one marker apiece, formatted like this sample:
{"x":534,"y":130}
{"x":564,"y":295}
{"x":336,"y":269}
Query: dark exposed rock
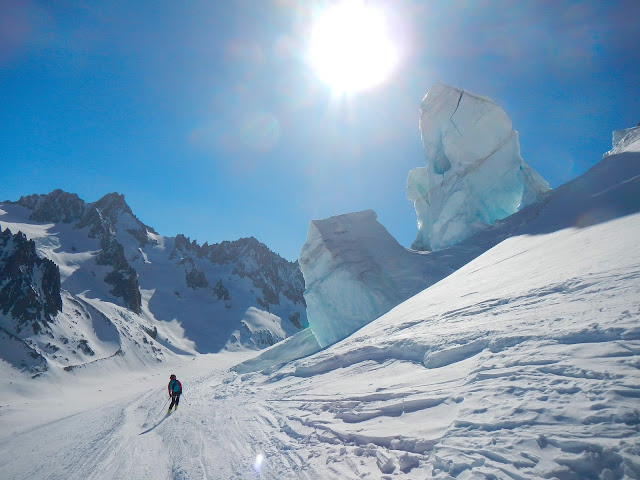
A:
{"x":123,"y":277}
{"x":86,"y":349}
{"x":56,"y":207}
{"x":221,"y":291}
{"x":29,"y":285}
{"x":140,"y":235}
{"x":125,"y":286}
{"x":152,"y":332}
{"x":294,"y":319}
{"x":195,"y":279}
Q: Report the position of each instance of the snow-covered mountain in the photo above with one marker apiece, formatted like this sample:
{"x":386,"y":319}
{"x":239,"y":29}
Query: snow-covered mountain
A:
{"x":86,"y":282}
{"x":524,"y":363}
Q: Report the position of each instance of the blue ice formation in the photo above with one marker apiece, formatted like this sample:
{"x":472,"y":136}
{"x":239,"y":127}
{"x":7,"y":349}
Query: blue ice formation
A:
{"x":474,"y":174}
{"x":354,"y":271}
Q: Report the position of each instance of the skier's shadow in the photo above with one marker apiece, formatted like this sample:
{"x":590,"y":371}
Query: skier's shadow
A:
{"x":156,"y":425}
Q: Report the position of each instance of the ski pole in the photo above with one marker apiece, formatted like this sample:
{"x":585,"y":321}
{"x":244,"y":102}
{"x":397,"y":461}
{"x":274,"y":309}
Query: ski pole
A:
{"x":166,"y":403}
{"x":185,"y":399}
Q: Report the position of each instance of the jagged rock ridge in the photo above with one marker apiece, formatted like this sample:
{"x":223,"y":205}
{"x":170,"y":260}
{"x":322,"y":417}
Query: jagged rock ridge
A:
{"x":126,"y":290}
{"x":269,"y":272}
{"x":29,"y":285}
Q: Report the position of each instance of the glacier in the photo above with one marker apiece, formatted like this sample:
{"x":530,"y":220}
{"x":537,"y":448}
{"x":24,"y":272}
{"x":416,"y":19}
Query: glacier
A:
{"x":474,"y":174}
{"x":355,"y":271}
{"x":521,"y":365}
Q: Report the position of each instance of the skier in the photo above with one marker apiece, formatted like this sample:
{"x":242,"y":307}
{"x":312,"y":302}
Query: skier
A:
{"x":175,"y":390}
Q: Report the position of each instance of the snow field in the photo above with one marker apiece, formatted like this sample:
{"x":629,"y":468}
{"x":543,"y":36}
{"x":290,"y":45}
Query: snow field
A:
{"x":524,"y":379}
{"x":480,"y":376}
{"x":523,"y":364}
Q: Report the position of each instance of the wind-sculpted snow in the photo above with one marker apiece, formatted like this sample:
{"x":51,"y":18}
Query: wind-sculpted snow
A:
{"x":474,"y":174}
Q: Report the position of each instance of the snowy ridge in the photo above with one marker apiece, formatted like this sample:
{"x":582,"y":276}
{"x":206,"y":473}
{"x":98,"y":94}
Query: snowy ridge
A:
{"x":130,"y":292}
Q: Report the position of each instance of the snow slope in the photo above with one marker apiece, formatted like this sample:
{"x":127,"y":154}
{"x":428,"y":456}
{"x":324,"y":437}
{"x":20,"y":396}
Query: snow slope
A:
{"x":525,"y":363}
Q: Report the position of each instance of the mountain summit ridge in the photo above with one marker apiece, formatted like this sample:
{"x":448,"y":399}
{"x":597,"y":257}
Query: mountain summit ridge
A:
{"x":110,"y":265}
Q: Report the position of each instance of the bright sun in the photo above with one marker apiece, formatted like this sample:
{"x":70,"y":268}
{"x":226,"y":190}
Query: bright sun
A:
{"x":350,"y":47}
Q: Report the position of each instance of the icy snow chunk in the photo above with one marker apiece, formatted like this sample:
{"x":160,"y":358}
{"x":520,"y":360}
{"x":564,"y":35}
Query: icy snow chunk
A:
{"x":354,"y":271}
{"x":474,"y":174}
{"x":627,"y":140}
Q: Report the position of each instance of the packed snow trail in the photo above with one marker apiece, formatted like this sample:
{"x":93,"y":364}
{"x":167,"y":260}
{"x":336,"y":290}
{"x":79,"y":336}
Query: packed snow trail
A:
{"x":218,"y":431}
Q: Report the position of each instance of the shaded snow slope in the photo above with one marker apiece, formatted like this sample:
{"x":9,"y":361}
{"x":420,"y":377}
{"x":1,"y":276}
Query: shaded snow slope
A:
{"x":524,"y":363}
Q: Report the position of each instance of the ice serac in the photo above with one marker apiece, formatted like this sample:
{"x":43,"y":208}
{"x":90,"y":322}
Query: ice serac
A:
{"x":627,"y":140}
{"x":354,"y":271}
{"x":474,"y":174}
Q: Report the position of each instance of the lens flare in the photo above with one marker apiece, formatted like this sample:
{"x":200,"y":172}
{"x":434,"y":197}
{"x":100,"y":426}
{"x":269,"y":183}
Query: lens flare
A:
{"x":258,"y":462}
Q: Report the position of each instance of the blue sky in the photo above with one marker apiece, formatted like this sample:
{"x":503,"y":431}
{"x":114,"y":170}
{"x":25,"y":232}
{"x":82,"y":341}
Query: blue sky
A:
{"x":207,"y":116}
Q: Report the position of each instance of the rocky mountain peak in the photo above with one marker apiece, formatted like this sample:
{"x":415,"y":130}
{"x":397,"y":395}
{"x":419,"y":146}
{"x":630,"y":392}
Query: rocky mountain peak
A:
{"x":268,"y":271}
{"x":102,"y":218}
{"x":113,"y":204}
{"x":56,"y":207}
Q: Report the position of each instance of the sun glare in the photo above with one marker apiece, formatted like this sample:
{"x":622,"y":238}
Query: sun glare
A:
{"x":350,"y":47}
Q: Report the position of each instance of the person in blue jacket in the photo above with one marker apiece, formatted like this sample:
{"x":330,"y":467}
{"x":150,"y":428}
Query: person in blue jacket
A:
{"x":175,"y":390}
